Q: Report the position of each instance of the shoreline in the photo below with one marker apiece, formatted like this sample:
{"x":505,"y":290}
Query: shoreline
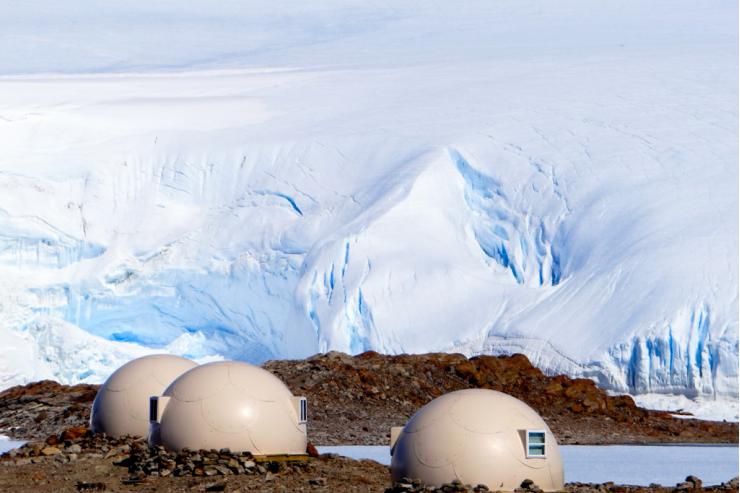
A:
{"x":81,"y":461}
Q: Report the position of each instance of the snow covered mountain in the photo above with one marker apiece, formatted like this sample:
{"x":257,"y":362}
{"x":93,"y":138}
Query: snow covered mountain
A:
{"x":552,"y":178}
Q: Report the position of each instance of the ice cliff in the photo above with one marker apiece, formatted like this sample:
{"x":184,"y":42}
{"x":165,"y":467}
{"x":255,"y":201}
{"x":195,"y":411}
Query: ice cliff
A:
{"x":553,"y":179}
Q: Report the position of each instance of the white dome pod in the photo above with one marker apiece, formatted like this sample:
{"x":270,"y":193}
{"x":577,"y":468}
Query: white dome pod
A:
{"x":121,"y":406}
{"x":477,"y":436}
{"x":229,"y":404}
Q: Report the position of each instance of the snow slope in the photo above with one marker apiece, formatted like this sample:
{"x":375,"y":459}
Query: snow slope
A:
{"x":558,"y":179}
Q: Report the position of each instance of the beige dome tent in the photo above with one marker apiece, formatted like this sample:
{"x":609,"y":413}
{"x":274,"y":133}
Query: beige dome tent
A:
{"x":477,"y":436}
{"x":121,"y":406}
{"x":230,"y":405}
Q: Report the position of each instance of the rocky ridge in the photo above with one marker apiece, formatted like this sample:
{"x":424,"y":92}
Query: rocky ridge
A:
{"x":357,"y":399}
{"x":40,"y":409}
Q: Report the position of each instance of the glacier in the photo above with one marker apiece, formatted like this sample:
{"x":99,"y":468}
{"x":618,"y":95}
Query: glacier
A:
{"x":558,"y":180}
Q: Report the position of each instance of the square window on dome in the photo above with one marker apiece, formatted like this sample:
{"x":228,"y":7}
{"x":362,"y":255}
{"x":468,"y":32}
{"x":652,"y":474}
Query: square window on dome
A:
{"x":535,"y":443}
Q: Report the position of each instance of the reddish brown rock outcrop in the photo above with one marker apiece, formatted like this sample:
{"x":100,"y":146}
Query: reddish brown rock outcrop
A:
{"x":357,"y":399}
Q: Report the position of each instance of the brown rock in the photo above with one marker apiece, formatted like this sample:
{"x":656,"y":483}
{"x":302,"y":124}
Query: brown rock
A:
{"x":311,"y":450}
{"x":694,"y":480}
{"x":50,"y":451}
{"x":73,"y":433}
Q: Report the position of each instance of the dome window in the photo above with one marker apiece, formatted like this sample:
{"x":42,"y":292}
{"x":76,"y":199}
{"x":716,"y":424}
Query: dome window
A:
{"x":304,"y":410}
{"x":535,"y":443}
{"x":153,"y":414}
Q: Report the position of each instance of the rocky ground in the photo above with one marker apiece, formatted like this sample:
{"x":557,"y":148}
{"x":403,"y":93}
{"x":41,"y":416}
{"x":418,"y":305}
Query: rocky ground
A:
{"x":351,"y":400}
{"x":77,"y":460}
{"x":84,"y":462}
{"x":40,"y":409}
{"x":357,"y":399}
